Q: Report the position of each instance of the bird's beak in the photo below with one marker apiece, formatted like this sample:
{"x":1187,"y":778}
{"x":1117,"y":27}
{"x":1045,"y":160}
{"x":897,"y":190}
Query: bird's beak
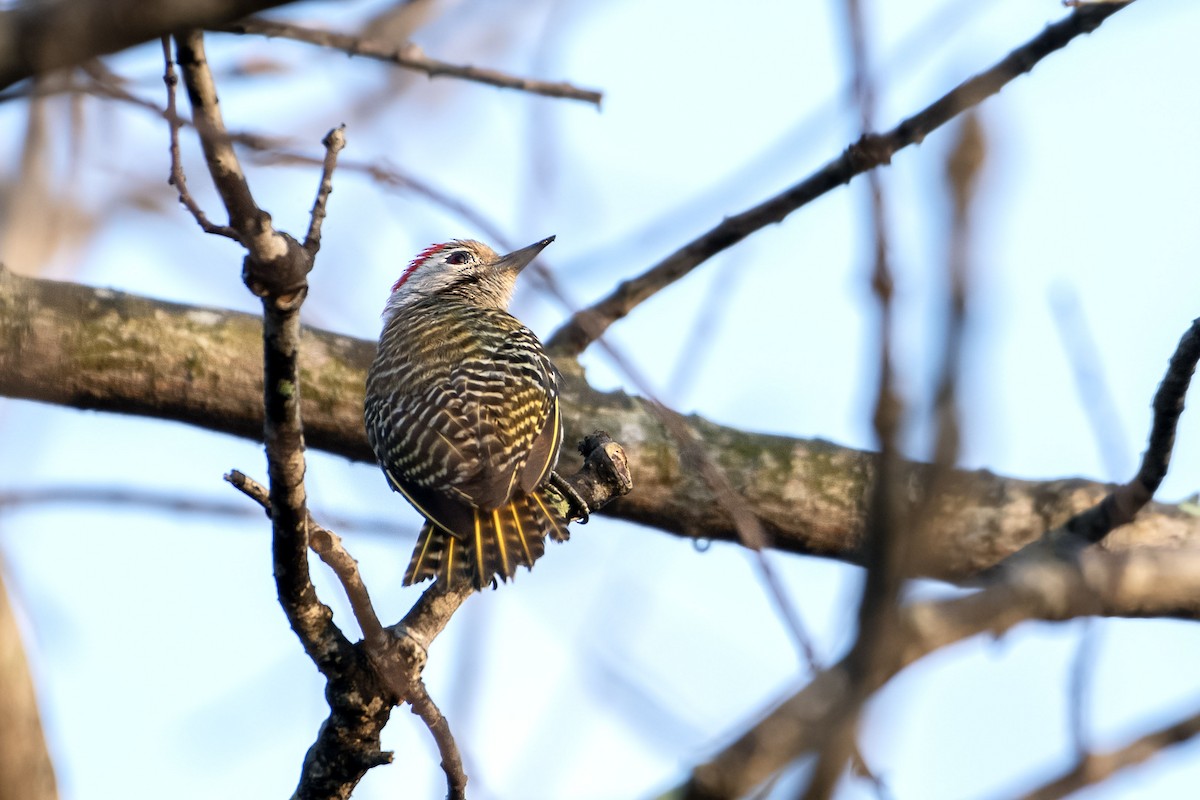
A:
{"x":518,"y":259}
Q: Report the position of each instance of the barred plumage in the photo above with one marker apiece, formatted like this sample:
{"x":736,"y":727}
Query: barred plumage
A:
{"x":462,"y":413}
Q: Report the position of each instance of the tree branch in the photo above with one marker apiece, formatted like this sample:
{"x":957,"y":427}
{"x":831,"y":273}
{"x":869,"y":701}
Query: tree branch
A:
{"x":1094,"y":768}
{"x":275,"y":269}
{"x":407,"y":55}
{"x":91,"y":348}
{"x":273,"y":257}
{"x":871,"y":151}
{"x":177,"y":177}
{"x":39,"y":37}
{"x":334,"y":141}
{"x":328,"y":545}
{"x":1133,"y":585}
{"x":1120,"y":506}
{"x":424,"y":707}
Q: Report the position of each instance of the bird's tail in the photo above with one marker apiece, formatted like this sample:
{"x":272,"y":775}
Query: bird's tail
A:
{"x":502,"y":540}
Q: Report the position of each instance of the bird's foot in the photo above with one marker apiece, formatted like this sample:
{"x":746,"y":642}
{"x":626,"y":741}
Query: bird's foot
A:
{"x":579,"y":507}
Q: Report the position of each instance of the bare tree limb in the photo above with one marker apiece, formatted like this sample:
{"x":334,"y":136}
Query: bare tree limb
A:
{"x":1133,"y":585}
{"x":424,"y":707}
{"x":39,"y":37}
{"x":328,"y":545}
{"x":270,"y":150}
{"x":360,"y":689}
{"x":394,"y":659}
{"x":273,"y":257}
{"x":870,"y":151}
{"x":1094,"y":768}
{"x":1121,"y":505}
{"x":334,"y":141}
{"x":84,"y":347}
{"x":408,"y":56}
{"x":275,"y":269}
{"x":177,"y":178}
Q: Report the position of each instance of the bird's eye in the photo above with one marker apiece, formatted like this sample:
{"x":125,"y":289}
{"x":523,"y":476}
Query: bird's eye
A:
{"x":457,"y":257}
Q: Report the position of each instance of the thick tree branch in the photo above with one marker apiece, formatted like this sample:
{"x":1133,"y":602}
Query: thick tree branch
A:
{"x":84,"y":347}
{"x":871,"y":151}
{"x":39,"y":37}
{"x":408,"y":56}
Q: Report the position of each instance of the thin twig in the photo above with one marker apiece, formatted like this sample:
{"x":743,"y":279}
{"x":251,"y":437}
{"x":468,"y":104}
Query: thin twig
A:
{"x":424,"y":707}
{"x":1086,"y":366}
{"x":104,"y":84}
{"x":747,"y":525}
{"x":869,"y":152}
{"x":179,"y":503}
{"x":328,"y":546}
{"x":919,"y":44}
{"x":1087,"y":369}
{"x":272,"y":150}
{"x":177,"y":177}
{"x":409,"y":56}
{"x":388,"y":175}
{"x":1082,"y":664}
{"x":1094,"y":768}
{"x":223,"y":163}
{"x":1124,"y":502}
{"x":58,"y":496}
{"x":963,"y":169}
{"x":334,"y":141}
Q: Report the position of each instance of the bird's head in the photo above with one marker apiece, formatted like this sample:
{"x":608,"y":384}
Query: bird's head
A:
{"x":463,"y":270}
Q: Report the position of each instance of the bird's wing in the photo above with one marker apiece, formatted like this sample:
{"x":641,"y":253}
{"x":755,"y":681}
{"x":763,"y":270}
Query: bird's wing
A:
{"x":473,"y":431}
{"x":511,"y":400}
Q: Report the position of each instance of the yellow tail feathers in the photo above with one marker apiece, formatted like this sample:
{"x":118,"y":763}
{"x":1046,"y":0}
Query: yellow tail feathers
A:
{"x":502,"y":540}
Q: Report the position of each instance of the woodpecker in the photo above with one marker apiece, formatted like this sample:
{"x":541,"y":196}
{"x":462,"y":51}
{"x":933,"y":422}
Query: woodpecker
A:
{"x":462,"y":412}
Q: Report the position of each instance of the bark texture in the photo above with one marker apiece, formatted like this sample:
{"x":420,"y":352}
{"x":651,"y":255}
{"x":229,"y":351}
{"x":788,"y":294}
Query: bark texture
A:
{"x":95,"y":348}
